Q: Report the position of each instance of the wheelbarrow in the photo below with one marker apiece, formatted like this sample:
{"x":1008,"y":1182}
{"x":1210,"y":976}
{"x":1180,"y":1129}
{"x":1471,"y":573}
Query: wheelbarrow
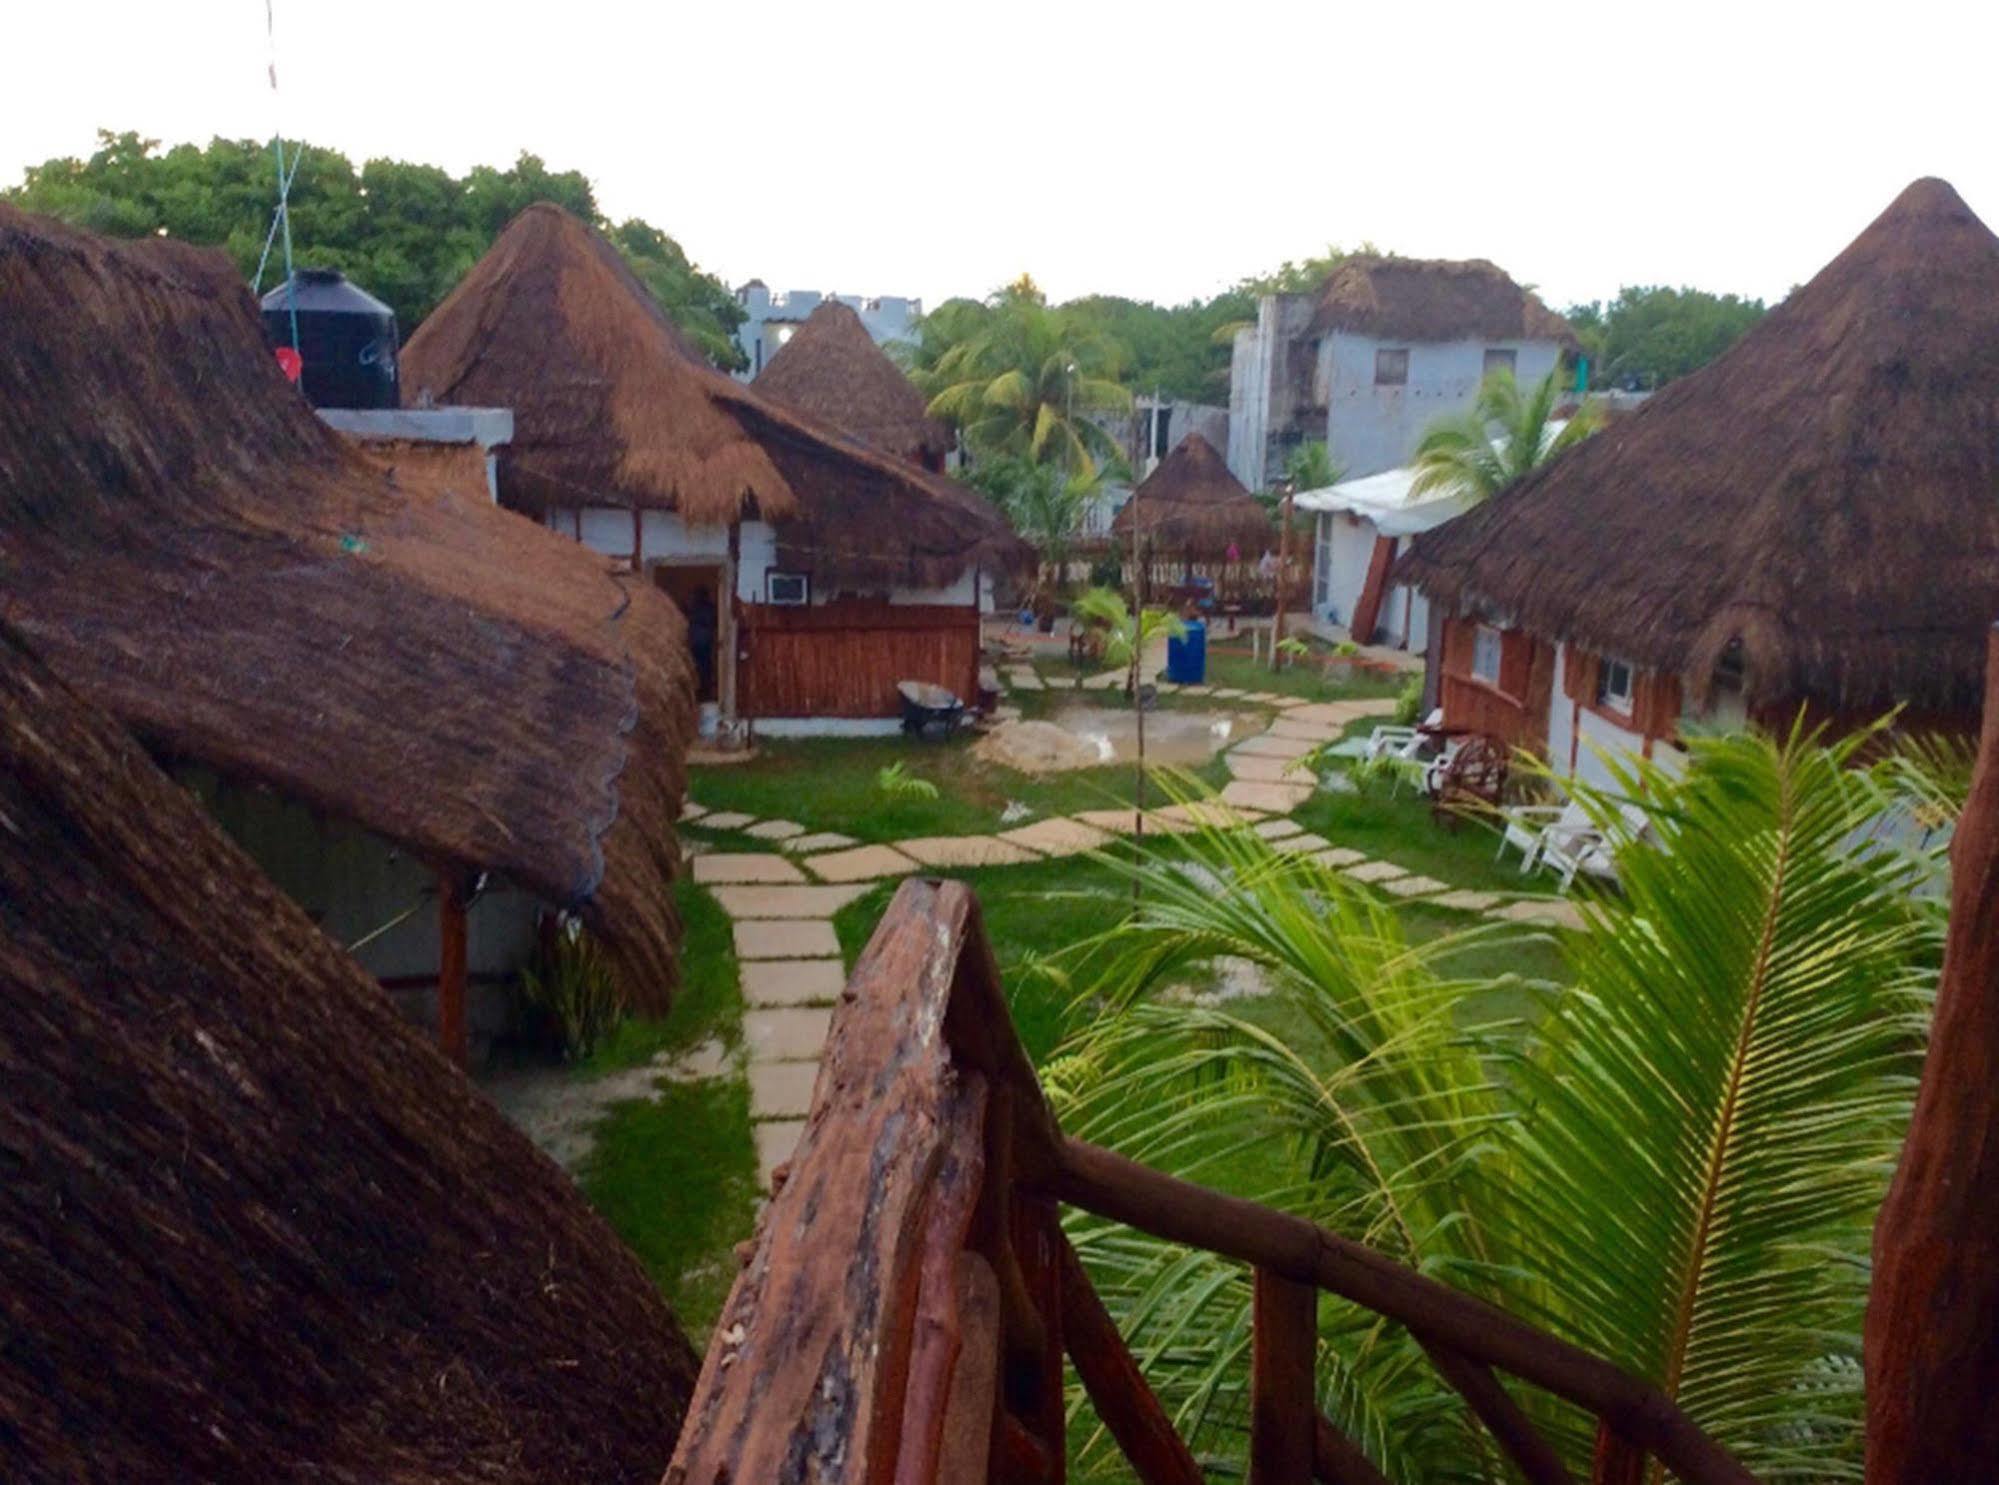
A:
{"x":925,"y":706}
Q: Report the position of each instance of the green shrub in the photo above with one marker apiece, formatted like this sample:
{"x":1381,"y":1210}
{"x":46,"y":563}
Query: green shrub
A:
{"x":573,"y":985}
{"x":1409,"y":701}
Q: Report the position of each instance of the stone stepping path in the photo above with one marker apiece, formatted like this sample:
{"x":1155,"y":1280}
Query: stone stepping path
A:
{"x":965,"y":850}
{"x":861,"y":864}
{"x":819,"y":840}
{"x":1057,"y":836}
{"x":785,"y":902}
{"x":781,"y":982}
{"x":786,"y":938}
{"x":713,"y":868}
{"x":789,"y":961}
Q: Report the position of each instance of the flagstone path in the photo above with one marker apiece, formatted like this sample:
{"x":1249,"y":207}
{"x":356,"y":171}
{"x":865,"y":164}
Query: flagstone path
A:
{"x":789,"y":957}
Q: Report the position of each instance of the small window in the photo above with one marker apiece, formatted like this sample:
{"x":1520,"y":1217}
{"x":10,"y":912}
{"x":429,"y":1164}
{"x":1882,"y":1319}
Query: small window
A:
{"x":1162,"y":426}
{"x":1391,"y":368}
{"x":1497,"y":359}
{"x":1485,"y":655}
{"x":790,"y":589}
{"x":1613,"y":685}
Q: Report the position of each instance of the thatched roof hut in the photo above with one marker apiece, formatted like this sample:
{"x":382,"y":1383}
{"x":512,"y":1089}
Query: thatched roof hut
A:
{"x":1825,"y":495}
{"x":612,"y":407}
{"x":253,"y":1228}
{"x":1192,"y":507}
{"x":1426,"y":299}
{"x":831,"y":369}
{"x":188,"y":545}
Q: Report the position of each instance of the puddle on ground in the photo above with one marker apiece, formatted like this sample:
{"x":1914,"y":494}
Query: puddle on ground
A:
{"x":1170,"y":736}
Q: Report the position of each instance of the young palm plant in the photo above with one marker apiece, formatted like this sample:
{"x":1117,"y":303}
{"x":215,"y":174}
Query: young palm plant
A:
{"x":1675,"y":1163}
{"x":1505,"y":436}
{"x":1024,"y":383}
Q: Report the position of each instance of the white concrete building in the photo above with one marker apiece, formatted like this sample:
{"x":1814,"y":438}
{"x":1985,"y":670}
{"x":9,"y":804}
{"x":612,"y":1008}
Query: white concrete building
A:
{"x":1367,"y":364}
{"x":772,"y":319}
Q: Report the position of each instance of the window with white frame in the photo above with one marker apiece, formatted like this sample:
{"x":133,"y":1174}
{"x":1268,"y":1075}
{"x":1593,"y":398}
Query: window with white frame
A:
{"x":788,"y":589}
{"x":1613,"y":685}
{"x":1485,"y":648}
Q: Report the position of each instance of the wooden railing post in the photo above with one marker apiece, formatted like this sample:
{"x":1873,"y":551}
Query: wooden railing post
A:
{"x":1284,"y":1357}
{"x":452,"y":975}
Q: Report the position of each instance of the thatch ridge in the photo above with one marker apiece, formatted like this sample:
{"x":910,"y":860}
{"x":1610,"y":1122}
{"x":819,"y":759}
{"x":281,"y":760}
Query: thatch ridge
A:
{"x":609,"y":400}
{"x":612,"y":407}
{"x":1826,"y":493}
{"x":1192,"y":505}
{"x":1433,"y":299}
{"x":253,"y":1227}
{"x":185,"y":542}
{"x":831,"y":369}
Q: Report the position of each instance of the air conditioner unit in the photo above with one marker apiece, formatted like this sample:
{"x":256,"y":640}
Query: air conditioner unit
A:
{"x":787,"y":589}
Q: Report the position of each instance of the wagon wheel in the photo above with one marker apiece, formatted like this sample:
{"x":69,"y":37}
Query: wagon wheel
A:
{"x":1472,"y":781}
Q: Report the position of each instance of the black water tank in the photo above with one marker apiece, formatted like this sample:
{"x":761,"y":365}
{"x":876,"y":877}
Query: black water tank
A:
{"x":347,"y":338}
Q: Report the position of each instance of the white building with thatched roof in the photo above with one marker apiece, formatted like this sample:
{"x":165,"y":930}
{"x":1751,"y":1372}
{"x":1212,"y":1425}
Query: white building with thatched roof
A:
{"x":1365,"y":365}
{"x":1810,"y":521}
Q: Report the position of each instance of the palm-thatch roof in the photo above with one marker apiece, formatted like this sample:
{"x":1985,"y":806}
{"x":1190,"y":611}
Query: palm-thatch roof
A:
{"x":1427,"y":299}
{"x":1192,"y":506}
{"x":831,"y":369}
{"x":1826,"y":494}
{"x":186,"y":543}
{"x":252,"y":1226}
{"x":612,"y":407}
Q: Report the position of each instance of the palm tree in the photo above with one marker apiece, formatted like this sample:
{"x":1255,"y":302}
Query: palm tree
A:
{"x":1045,"y":503}
{"x":1676,"y":1162}
{"x":1023,"y":382}
{"x":1312,"y":467}
{"x":1502,"y":438}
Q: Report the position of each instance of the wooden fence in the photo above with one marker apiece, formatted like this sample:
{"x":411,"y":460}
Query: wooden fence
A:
{"x":903,"y":1312}
{"x":843,"y":659}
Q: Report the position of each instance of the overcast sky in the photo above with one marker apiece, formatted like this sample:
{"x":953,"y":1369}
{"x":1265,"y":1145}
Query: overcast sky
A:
{"x":1159,"y":151}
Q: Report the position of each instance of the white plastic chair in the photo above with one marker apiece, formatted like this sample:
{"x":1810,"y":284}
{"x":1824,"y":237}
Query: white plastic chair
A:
{"x":1523,"y":825}
{"x":1394,"y":739}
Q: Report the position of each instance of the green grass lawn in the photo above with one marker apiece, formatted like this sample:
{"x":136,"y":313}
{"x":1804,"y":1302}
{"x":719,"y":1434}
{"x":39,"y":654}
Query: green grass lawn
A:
{"x":1401,"y":829}
{"x":1231,"y":664}
{"x":675,"y":1175}
{"x":830,"y":784}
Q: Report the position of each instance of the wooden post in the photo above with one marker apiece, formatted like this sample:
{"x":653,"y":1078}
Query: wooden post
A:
{"x":1932,"y":1331}
{"x":1284,"y":1407}
{"x":726,"y":642}
{"x":1283,"y":577}
{"x":451,"y":975}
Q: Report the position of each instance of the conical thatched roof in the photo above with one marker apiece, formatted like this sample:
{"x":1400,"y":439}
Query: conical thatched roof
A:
{"x":1430,"y":299}
{"x":612,"y":407}
{"x":1826,"y":493}
{"x":833,"y":370}
{"x":1192,"y":506}
{"x":252,"y":1227}
{"x":610,"y":403}
{"x":181,"y":539}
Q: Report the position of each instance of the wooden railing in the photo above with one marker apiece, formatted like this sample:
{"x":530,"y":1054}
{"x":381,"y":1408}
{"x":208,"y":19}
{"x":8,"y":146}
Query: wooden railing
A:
{"x":904,"y":1310}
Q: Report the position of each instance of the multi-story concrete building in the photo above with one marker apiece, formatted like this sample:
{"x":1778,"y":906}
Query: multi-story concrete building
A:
{"x":771,"y":319}
{"x":1370,"y":361}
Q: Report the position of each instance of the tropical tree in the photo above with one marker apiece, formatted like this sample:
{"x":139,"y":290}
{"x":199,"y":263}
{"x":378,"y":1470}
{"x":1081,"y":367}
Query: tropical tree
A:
{"x":1311,"y":467}
{"x":1024,"y":382}
{"x":1045,"y":503}
{"x":1674,"y":1162}
{"x":1504,"y":436}
{"x":1648,"y":335}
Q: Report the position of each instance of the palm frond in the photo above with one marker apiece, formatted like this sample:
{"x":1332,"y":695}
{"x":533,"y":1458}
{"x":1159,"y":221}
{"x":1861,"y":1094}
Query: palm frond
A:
{"x":1711,"y":1117}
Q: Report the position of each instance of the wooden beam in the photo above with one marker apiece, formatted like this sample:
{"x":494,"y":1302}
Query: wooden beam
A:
{"x":1373,"y":589}
{"x":1536,"y":1457}
{"x":1932,"y":1329}
{"x":966,"y":1445}
{"x":1338,"y":1460}
{"x":452,"y":1037}
{"x":1284,"y":1403}
{"x":1117,"y":1388}
{"x":1180,"y":1212}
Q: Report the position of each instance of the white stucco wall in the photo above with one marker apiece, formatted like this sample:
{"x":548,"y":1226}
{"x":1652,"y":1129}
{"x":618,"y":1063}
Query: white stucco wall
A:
{"x":352,"y":882}
{"x":1373,"y":428}
{"x":665,"y":537}
{"x":1591,"y":735}
{"x":1249,"y":397}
